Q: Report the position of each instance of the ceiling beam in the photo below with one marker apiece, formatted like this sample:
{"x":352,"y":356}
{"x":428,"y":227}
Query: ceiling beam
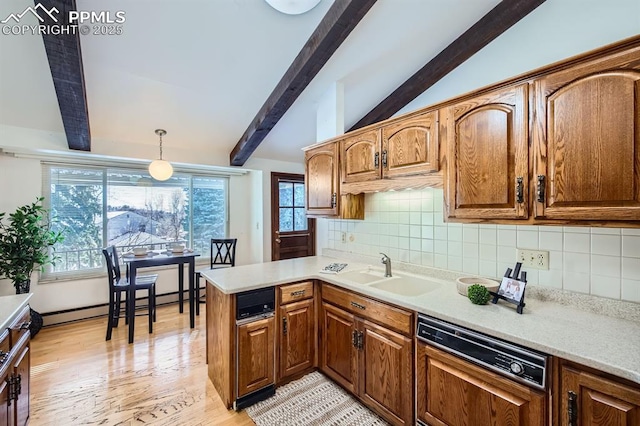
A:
{"x":65,"y":61}
{"x":341,"y":18}
{"x":489,"y":27}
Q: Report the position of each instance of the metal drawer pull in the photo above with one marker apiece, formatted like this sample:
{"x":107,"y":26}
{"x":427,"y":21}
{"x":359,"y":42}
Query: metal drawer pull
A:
{"x":297,"y":293}
{"x":357,"y":305}
{"x":520,"y":190}
{"x":25,"y":325}
{"x":572,"y":409}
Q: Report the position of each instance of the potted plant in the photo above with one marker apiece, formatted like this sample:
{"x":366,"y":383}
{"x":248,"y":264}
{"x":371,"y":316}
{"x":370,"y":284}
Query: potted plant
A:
{"x":25,"y":238}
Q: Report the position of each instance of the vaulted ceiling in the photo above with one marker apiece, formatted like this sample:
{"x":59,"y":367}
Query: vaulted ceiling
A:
{"x":203,"y":69}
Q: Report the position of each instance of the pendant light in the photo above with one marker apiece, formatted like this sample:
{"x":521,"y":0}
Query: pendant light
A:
{"x":293,"y":7}
{"x":160,"y":169}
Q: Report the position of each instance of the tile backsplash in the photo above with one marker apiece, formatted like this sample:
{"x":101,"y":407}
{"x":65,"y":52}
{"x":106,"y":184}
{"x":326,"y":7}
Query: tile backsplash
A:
{"x":408,"y":226}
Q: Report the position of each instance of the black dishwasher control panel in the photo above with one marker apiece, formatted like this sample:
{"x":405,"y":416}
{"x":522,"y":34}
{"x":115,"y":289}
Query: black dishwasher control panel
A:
{"x":255,"y":302}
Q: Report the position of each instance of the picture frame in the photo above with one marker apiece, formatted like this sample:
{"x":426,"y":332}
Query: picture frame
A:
{"x":512,"y":289}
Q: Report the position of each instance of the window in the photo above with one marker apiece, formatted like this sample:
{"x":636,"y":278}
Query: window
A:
{"x":292,"y":212}
{"x":97,"y":207}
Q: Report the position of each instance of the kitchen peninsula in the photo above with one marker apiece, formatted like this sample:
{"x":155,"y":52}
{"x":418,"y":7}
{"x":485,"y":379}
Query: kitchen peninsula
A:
{"x":552,"y":328}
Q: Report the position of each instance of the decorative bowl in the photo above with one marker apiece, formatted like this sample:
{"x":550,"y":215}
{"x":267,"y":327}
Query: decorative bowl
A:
{"x":463,"y":283}
{"x":140,"y":251}
{"x":177,"y":248}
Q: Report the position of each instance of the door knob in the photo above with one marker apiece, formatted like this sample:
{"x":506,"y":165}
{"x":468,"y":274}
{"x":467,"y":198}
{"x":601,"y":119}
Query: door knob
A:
{"x":278,"y":240}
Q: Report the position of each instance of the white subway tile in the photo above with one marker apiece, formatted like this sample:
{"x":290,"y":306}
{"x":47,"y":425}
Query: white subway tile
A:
{"x":403,"y":217}
{"x":631,"y":246}
{"x":556,"y":260}
{"x":487,"y":269}
{"x":488,"y":236}
{"x":393,"y":229}
{"x":403,"y":243}
{"x":440,"y":246}
{"x":604,"y":286}
{"x":577,"y":243}
{"x":403,"y":255}
{"x":506,"y":254}
{"x":470,"y":251}
{"x":415,"y":231}
{"x":415,"y":218}
{"x":550,"y":278}
{"x":470,"y":234}
{"x":631,"y":290}
{"x":630,"y":231}
{"x":550,"y":240}
{"x":532,"y":276}
{"x":428,"y":259}
{"x":607,"y":266}
{"x":440,"y":261}
{"x":470,"y":266}
{"x":427,"y":246}
{"x":427,"y":218}
{"x":393,"y":241}
{"x":427,"y":204}
{"x":527,"y":239}
{"x":631,"y":268}
{"x":415,"y":257}
{"x":606,"y":244}
{"x":440,"y":232}
{"x":403,"y":230}
{"x":454,"y":263}
{"x":415,"y":244}
{"x":576,"y":262}
{"x":454,"y":248}
{"x":487,"y":252}
{"x":415,"y":205}
{"x":438,"y":219}
{"x":507,"y":237}
{"x":576,"y":281}
{"x":577,"y":229}
{"x":608,"y":231}
{"x":427,"y":232}
{"x":454,"y":233}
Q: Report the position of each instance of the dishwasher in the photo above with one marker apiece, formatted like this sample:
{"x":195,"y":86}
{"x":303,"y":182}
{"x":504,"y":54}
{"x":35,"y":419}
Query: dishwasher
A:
{"x":465,"y":377}
{"x":255,"y":346}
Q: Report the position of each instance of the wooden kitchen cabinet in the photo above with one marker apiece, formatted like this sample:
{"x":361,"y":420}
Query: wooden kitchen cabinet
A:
{"x":587,"y":139}
{"x":370,"y":359}
{"x":322,"y":184}
{"x":454,"y":392}
{"x":15,"y":368}
{"x":297,"y":334}
{"x":586,"y":398}
{"x":488,"y":156}
{"x":255,"y":355}
{"x":399,"y":154}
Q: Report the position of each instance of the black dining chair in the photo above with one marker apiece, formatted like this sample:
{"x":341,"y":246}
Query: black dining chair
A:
{"x":223,"y":255}
{"x":119,"y":285}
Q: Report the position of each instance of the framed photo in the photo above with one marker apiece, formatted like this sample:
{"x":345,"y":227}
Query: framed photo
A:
{"x":512,"y":289}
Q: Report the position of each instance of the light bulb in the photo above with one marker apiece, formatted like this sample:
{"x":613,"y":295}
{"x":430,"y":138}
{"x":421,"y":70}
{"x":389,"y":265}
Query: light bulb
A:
{"x":160,"y":169}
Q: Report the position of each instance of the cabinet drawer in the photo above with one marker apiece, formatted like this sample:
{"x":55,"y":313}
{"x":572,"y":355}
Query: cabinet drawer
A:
{"x":294,"y":292}
{"x":5,"y":347}
{"x":20,"y":326}
{"x":378,"y":312}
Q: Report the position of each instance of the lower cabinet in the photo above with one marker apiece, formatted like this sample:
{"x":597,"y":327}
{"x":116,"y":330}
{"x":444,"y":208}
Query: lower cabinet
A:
{"x":297,"y":338}
{"x":256,"y":368}
{"x":15,"y":357}
{"x":454,"y":392}
{"x":370,"y":360}
{"x":590,"y":399}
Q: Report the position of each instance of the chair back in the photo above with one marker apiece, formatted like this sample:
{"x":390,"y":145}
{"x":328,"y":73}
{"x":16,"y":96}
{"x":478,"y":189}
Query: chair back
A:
{"x":113,"y":265}
{"x":223,"y":252}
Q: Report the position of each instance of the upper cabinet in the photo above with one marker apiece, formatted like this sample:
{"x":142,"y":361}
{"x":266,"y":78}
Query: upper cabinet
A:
{"x":322,"y":182}
{"x":487,"y":156}
{"x":399,"y":154}
{"x":587,"y":140}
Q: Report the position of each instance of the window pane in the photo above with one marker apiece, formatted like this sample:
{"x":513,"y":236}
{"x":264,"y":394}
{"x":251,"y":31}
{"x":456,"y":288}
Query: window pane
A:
{"x":286,"y":219}
{"x":298,"y":194}
{"x":145,"y":213}
{"x":300,"y":219}
{"x":209,"y":212}
{"x":286,"y":194}
{"x":76,"y":204}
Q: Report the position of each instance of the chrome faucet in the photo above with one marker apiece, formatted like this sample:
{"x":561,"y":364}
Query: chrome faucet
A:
{"x":387,"y":263}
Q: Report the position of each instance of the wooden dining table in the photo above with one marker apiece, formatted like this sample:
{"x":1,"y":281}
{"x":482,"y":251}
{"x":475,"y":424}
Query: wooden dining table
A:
{"x":161,"y":258}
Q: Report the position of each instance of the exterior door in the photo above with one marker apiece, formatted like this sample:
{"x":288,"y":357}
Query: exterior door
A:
{"x":292,"y":233}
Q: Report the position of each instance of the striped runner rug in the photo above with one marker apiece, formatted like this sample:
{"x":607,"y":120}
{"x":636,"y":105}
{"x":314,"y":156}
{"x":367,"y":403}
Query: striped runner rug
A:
{"x":312,"y":400}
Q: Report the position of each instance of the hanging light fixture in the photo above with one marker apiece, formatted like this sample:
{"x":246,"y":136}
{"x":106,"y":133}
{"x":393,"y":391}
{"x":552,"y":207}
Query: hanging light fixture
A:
{"x":160,"y":169}
{"x":293,"y":7}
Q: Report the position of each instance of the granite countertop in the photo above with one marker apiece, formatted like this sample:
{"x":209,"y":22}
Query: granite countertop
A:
{"x":10,"y":307}
{"x":608,"y":343}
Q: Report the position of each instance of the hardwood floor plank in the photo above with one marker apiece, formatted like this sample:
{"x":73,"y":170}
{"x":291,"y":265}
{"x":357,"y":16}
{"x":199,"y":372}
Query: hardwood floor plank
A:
{"x":78,"y":378}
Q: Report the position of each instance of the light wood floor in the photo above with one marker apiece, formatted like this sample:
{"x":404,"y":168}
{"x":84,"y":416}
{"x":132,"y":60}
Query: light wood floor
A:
{"x":78,"y":378}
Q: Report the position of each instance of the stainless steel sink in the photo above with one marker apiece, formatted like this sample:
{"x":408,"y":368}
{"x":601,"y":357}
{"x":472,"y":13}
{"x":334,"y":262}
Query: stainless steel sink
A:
{"x":365,"y":276}
{"x":407,"y":286}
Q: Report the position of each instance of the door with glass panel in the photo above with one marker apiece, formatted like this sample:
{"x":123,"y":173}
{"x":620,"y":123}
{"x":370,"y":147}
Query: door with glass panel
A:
{"x":292,"y":233}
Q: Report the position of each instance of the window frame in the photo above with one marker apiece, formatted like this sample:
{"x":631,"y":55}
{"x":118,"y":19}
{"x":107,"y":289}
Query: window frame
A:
{"x":50,"y":276}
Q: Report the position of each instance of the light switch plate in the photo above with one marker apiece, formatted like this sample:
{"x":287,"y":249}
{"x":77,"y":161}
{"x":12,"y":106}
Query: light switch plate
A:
{"x":536,"y":259}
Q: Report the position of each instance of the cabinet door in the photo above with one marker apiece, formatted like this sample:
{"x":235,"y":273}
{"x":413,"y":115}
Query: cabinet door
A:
{"x":587,"y":140}
{"x":453,"y":392}
{"x":361,"y":157}
{"x":339,"y":356}
{"x":297,"y":337}
{"x":487,"y":163}
{"x":321,"y":179}
{"x":21,"y":370}
{"x":386,"y":375}
{"x":596,"y":401}
{"x":256,"y":363}
{"x":410,"y":146}
{"x":4,"y":401}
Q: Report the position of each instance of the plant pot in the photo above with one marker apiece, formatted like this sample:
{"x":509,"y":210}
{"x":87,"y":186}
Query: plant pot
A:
{"x":23,"y":287}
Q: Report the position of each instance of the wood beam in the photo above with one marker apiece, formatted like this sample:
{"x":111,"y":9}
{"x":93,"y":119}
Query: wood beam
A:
{"x":65,"y":61}
{"x":489,"y":27}
{"x":337,"y":24}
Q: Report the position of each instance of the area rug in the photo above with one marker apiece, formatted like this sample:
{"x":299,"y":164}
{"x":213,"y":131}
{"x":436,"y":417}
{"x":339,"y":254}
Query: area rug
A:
{"x":312,"y":400}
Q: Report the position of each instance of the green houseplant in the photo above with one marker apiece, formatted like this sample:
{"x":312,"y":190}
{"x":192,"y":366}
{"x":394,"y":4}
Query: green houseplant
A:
{"x":25,"y":239}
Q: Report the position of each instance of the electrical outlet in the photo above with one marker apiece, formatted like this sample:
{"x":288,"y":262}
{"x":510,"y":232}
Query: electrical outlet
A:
{"x":536,"y":259}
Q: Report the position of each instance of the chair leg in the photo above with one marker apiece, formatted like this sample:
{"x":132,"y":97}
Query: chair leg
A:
{"x":151,"y":308}
{"x":196,"y":293}
{"x":116,"y":312}
{"x":126,"y":310}
{"x":110,"y":318}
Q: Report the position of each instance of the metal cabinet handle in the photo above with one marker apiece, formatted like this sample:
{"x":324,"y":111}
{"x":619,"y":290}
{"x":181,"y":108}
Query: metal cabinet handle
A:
{"x":540,"y":191}
{"x":376,"y":160}
{"x":572,"y":409}
{"x":284,"y":326}
{"x":298,"y":293}
{"x":354,"y":339}
{"x":384,"y":158}
{"x":359,"y":306}
{"x":520,"y":190}
{"x":334,"y":200}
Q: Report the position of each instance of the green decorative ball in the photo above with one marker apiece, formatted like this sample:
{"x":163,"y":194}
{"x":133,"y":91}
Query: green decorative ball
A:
{"x":478,"y":294}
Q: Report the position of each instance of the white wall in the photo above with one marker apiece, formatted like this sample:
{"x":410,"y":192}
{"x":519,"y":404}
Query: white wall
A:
{"x":408,"y":226}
